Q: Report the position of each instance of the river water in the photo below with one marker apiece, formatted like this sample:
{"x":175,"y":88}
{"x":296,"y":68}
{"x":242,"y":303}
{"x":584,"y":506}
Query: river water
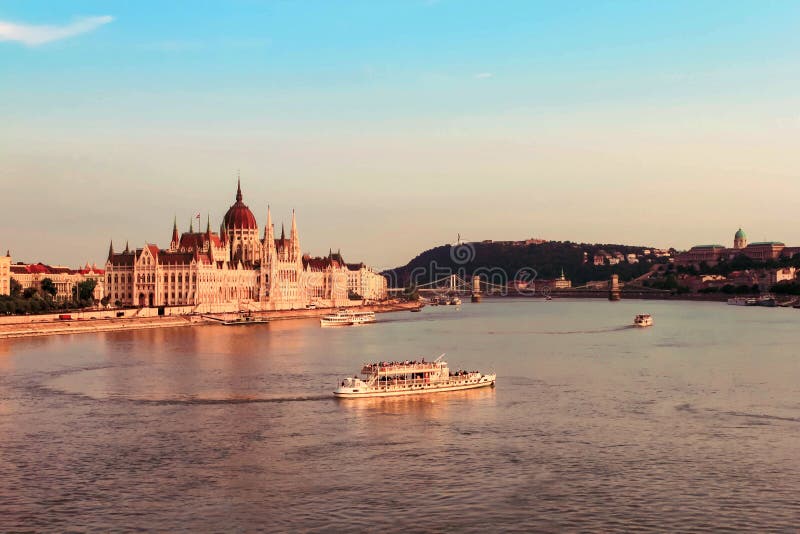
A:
{"x":691,"y":425}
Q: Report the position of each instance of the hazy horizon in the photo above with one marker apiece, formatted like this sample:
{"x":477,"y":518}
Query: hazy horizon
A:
{"x":393,"y":127}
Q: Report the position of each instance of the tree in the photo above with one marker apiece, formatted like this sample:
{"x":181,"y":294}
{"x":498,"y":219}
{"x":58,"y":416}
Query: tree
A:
{"x":29,"y":292}
{"x":786,"y":288}
{"x":86,"y":289}
{"x":49,"y":287}
{"x":411,"y":293}
{"x":16,"y":288}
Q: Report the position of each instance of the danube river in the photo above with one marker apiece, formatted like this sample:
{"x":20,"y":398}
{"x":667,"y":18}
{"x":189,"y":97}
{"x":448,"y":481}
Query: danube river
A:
{"x":691,"y":425}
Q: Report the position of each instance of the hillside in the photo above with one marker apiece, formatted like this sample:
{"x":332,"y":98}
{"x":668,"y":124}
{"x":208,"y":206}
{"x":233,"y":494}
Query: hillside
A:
{"x":546,"y":258}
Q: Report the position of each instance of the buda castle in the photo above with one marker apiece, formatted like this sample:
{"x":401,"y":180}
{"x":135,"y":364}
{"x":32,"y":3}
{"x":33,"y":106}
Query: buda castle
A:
{"x":236,"y":269}
{"x":712,"y":255}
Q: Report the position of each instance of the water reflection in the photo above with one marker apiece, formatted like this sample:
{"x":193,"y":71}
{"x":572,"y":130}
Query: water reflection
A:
{"x":428,"y":406}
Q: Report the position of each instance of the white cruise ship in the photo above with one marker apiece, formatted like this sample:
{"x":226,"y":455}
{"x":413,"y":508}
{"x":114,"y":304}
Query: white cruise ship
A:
{"x":386,"y":379}
{"x":347,"y":318}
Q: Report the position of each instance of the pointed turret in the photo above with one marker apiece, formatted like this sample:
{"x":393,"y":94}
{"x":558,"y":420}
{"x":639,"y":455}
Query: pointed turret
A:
{"x":110,"y":249}
{"x":8,"y":253}
{"x":295,"y":237}
{"x":223,"y":234}
{"x":268,"y":227}
{"x":191,"y":225}
{"x":208,"y":224}
{"x":175,"y":237}
{"x":283,"y":234}
{"x":294,"y":227}
{"x":127,"y":248}
{"x":238,"y":189}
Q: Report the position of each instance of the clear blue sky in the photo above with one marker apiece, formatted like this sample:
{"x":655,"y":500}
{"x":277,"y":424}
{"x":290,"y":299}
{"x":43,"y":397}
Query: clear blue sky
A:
{"x":393,"y":126}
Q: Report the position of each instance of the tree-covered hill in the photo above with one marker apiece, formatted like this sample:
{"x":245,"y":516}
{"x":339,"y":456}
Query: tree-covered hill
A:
{"x":546,"y":259}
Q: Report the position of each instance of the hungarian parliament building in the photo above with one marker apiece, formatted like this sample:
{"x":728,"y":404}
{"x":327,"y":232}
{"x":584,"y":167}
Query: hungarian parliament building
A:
{"x":237,"y":268}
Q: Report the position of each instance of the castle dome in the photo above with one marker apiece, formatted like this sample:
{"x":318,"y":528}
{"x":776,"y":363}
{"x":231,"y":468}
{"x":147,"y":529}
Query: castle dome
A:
{"x":239,"y":216}
{"x":740,"y":234}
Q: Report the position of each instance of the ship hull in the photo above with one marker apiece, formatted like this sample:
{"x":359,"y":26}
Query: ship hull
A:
{"x":486,"y":381}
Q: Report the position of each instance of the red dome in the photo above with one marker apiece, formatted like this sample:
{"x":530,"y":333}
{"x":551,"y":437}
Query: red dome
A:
{"x":239,"y":215}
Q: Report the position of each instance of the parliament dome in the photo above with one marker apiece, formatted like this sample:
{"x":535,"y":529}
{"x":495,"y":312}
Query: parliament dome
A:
{"x":239,"y":216}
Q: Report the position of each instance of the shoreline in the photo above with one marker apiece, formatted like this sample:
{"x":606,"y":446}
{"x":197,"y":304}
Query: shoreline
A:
{"x":29,"y":327}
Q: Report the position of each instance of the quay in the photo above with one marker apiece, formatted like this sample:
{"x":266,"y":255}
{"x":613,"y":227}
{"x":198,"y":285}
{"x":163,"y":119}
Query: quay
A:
{"x":107,"y":321}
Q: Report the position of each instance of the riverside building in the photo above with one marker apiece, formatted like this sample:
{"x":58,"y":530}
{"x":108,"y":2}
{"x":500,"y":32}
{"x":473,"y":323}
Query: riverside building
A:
{"x":236,"y":268}
{"x":713,"y":254}
{"x":65,"y":280}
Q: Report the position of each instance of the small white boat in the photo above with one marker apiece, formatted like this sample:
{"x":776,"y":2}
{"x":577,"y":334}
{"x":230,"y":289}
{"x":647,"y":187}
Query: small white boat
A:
{"x":388,"y":379}
{"x":347,"y":318}
{"x":643,"y":319}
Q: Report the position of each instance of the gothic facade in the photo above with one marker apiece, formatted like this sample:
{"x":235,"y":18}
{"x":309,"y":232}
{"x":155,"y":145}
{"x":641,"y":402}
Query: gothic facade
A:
{"x":237,"y":266}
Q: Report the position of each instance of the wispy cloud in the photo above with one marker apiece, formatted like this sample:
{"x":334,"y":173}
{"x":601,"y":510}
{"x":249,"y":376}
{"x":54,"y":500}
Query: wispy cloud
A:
{"x":33,"y":35}
{"x":484,"y":75}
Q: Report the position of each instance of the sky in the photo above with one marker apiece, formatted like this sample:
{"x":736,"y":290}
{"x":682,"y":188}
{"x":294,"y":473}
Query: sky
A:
{"x":394,"y":126}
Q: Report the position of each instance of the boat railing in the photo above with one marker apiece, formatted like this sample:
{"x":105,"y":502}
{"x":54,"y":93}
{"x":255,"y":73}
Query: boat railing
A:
{"x":372,"y":368}
{"x":402,"y":384}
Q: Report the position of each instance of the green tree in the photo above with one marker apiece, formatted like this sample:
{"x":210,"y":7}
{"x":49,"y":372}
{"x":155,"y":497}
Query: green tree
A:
{"x":16,"y":288}
{"x":86,"y":289}
{"x":48,"y":287}
{"x":29,"y":293}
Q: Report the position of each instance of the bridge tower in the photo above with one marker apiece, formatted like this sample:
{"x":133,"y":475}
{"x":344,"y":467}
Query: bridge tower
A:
{"x":453,"y":283}
{"x":476,"y":289}
{"x":614,"y":292}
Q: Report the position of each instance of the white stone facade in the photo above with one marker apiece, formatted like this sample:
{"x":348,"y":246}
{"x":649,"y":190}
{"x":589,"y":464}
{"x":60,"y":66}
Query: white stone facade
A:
{"x":365,"y":282}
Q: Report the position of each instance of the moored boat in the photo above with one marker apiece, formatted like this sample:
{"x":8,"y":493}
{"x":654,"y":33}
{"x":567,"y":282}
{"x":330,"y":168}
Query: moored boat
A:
{"x":347,"y":318}
{"x":766,"y":300}
{"x":643,"y":319}
{"x":387,"y":379}
{"x":743,"y":301}
{"x":245,"y":319}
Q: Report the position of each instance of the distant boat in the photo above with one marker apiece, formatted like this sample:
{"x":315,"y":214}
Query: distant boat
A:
{"x":643,"y":319}
{"x":347,"y":318}
{"x":768,"y":301}
{"x":245,"y":319}
{"x":743,"y":301}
